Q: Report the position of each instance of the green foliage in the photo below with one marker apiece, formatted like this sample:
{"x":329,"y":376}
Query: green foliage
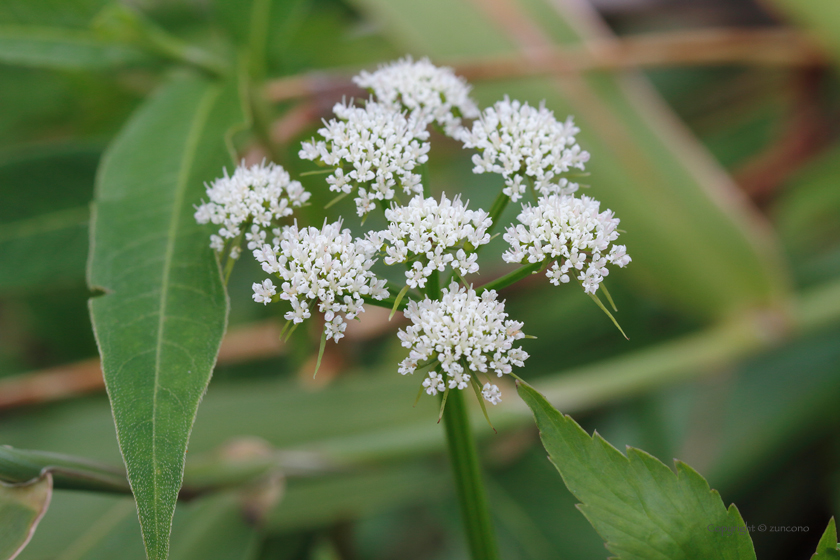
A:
{"x":21,"y":508}
{"x":637,"y":504}
{"x":161,"y":320}
{"x":64,"y":13}
{"x":63,"y":49}
{"x":47,"y":237}
{"x":828,"y":548}
{"x":357,"y":457}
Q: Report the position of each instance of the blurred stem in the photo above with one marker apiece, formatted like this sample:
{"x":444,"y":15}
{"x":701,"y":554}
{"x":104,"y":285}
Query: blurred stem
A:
{"x":472,"y":496}
{"x":433,"y":285}
{"x":463,"y":456}
{"x":202,"y":474}
{"x":424,"y":174}
{"x":510,"y":278}
{"x":18,"y":466}
{"x":496,"y":210}
{"x":387,"y":303}
{"x":127,"y":25}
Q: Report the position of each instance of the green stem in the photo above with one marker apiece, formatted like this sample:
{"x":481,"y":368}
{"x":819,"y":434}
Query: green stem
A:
{"x":465,"y":466}
{"x":496,"y":210}
{"x":130,"y":26}
{"x":433,"y":285}
{"x":510,"y":278}
{"x":387,"y":303}
{"x":203,"y":474}
{"x":18,"y":466}
{"x":463,"y":456}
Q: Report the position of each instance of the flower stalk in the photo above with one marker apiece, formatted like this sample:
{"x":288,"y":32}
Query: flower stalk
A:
{"x":466,"y":468}
{"x":463,"y":455}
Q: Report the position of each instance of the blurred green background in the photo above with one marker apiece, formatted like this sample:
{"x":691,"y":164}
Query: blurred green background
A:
{"x":726,"y":177}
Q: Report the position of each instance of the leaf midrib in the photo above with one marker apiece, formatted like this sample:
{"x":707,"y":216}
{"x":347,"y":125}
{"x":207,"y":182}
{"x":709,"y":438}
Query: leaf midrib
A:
{"x":190,"y":149}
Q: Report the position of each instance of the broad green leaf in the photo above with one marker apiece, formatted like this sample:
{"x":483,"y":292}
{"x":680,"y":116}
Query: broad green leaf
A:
{"x":640,"y":507}
{"x":21,"y":508}
{"x":63,"y":49}
{"x":691,"y":234}
{"x":44,"y":236}
{"x":827,"y":548}
{"x":161,"y":320}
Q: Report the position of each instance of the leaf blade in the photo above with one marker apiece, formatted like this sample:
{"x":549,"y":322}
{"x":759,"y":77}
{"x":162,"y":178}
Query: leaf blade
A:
{"x":44,"y":240}
{"x":161,"y":321}
{"x":641,"y":508}
{"x":828,"y":548}
{"x":57,"y":48}
{"x":21,"y":509}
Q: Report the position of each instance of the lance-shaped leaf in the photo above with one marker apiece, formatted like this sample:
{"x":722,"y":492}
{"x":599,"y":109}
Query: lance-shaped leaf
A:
{"x":161,"y":320}
{"x":44,"y":237}
{"x":21,"y":508}
{"x":640,"y":507}
{"x":828,"y":548}
{"x":64,"y":49}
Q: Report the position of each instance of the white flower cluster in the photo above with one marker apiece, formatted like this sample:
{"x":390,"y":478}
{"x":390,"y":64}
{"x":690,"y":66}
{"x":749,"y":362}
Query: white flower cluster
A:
{"x":379,"y":146}
{"x":440,"y":234}
{"x":260,"y":194}
{"x":519,"y":141}
{"x":467,"y":333}
{"x":320,"y":266}
{"x":571,"y":230}
{"x":428,"y":93}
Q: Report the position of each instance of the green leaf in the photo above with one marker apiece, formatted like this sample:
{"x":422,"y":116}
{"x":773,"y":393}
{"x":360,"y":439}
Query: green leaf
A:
{"x":827,"y":548}
{"x":44,"y":236}
{"x":123,"y":24}
{"x":161,"y":321}
{"x":63,"y":49}
{"x":21,"y":508}
{"x":640,"y":507}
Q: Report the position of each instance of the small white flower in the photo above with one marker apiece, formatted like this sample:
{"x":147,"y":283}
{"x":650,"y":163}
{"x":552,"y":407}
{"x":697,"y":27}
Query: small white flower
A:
{"x":263,"y":292}
{"x":467,"y":333}
{"x":217,"y":243}
{"x":434,"y":384}
{"x":323,"y":268}
{"x":437,"y":234}
{"x":374,"y":148}
{"x":572,"y":232}
{"x":519,"y":141}
{"x":261,"y":194}
{"x":491,"y":393}
{"x":426,"y":92}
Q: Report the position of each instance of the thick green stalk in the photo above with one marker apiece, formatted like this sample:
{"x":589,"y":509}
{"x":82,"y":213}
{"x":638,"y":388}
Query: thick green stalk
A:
{"x":463,"y":455}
